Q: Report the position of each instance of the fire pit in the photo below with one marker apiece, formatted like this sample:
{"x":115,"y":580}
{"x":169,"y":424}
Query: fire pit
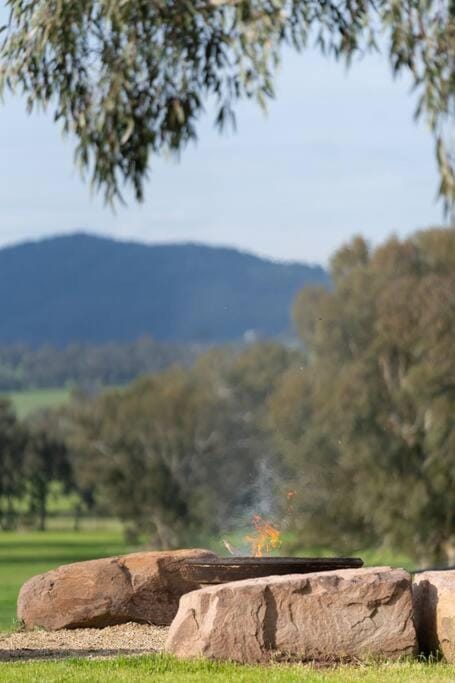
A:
{"x":225,"y":569}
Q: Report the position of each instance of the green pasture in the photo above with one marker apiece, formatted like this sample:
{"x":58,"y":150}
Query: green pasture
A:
{"x":163,"y":668}
{"x":27,"y":402}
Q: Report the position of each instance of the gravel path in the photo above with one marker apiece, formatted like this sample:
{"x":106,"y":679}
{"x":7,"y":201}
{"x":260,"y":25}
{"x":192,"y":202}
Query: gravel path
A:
{"x":126,"y":639}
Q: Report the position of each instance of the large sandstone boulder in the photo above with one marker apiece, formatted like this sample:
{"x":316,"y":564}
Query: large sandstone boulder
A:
{"x":434,"y":612}
{"x":351,"y":613}
{"x":142,"y":587}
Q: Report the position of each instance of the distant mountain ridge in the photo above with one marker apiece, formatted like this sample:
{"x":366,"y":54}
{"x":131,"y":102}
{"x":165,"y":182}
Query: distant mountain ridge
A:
{"x":88,"y":288}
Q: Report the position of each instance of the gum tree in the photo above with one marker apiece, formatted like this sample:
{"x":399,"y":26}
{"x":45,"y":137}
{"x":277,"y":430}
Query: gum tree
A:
{"x":367,"y":425}
{"x":129,"y":78}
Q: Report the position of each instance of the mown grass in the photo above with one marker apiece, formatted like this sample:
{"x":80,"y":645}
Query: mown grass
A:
{"x":163,"y":668}
{"x":23,"y":555}
{"x":30,"y":400}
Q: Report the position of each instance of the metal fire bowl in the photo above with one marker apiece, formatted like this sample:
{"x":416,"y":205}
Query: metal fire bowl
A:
{"x":225,"y":569}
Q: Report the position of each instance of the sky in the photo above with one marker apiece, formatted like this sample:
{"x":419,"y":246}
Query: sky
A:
{"x":337,"y":154}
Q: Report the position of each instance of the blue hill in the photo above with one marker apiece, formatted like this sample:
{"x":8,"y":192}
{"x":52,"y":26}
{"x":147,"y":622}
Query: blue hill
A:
{"x":92,"y":289}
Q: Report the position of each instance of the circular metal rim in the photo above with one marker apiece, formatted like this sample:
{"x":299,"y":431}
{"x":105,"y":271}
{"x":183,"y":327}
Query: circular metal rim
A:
{"x":263,"y":561}
{"x":215,"y":571}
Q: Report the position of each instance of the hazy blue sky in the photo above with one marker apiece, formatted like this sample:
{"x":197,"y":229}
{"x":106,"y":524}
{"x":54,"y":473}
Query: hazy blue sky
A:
{"x":337,"y":154}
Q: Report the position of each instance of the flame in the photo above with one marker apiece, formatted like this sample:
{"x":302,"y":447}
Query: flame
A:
{"x":266,"y":538}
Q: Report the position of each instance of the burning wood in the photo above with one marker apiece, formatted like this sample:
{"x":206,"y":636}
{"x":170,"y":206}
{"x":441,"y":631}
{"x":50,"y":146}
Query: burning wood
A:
{"x":267,"y":536}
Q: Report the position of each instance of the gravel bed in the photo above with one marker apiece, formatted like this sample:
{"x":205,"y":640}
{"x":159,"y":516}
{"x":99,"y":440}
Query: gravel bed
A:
{"x":125,"y":639}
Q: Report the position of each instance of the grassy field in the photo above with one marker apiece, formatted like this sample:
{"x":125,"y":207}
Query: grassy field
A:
{"x":30,"y":400}
{"x":26,"y":402}
{"x":23,"y":555}
{"x":163,"y":668}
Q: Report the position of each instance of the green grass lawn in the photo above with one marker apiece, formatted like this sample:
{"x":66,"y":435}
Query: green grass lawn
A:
{"x":23,"y":555}
{"x":162,"y":668}
{"x":26,"y":402}
{"x":26,"y":553}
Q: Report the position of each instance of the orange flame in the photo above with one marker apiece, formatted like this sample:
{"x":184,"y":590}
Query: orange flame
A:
{"x":266,"y":538}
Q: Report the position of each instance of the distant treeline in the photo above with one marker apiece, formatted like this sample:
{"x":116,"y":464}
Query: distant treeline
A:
{"x":358,"y":425}
{"x":87,"y":366}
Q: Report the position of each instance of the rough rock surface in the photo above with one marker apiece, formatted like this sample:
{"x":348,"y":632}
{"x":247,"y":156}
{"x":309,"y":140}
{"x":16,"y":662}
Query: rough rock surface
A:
{"x":351,"y":613}
{"x":142,"y":587}
{"x":434,"y":612}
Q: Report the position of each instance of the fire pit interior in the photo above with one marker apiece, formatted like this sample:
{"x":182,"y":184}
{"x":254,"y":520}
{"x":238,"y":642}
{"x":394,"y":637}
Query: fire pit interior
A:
{"x":222,"y":570}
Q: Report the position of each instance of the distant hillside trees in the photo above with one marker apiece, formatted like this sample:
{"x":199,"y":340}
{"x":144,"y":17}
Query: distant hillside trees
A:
{"x":86,"y":289}
{"x":87,"y":366}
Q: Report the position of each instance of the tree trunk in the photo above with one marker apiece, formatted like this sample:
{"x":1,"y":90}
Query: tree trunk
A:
{"x":77,"y":517}
{"x":42,"y":518}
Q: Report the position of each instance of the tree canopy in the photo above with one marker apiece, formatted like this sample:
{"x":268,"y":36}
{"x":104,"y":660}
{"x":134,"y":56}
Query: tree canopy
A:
{"x":368,"y":424}
{"x":130,"y":78}
{"x":181,"y":453}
